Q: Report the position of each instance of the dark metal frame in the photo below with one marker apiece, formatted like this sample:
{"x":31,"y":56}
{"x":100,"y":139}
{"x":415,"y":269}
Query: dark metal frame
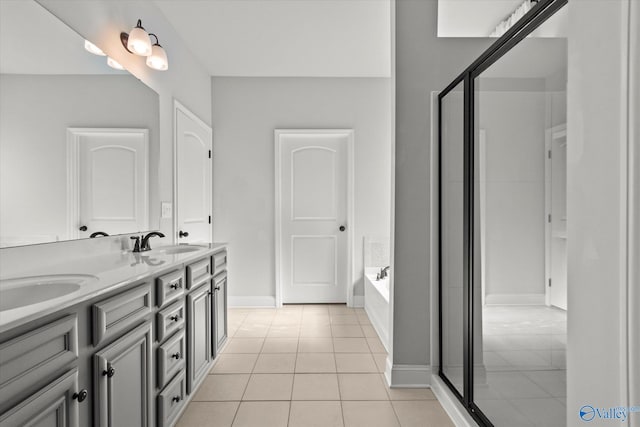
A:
{"x":532,"y":20}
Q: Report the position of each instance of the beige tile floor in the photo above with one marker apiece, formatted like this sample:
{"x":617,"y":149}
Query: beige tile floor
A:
{"x":306,"y":366}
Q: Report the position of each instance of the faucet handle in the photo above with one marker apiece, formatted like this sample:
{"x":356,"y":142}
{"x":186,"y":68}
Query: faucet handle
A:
{"x":136,"y":246}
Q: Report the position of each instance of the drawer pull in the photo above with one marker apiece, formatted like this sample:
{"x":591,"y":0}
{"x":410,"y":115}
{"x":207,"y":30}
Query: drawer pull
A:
{"x":176,"y":399}
{"x":175,"y":318}
{"x":176,"y":355}
{"x":109,"y":372}
{"x":81,"y":395}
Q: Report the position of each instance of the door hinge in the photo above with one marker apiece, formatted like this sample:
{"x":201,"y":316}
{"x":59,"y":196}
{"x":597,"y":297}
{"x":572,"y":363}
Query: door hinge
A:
{"x":549,"y":218}
{"x":209,"y":153}
{"x":209,"y":219}
{"x":549,"y":282}
{"x":549,"y":153}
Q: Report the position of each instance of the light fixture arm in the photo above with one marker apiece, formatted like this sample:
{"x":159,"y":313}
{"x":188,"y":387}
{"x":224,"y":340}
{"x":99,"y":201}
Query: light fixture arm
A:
{"x":157,"y":41}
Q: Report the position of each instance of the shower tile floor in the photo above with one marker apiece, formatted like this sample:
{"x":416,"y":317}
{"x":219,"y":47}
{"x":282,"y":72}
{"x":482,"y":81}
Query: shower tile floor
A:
{"x":524,"y":356}
{"x":306,"y":366}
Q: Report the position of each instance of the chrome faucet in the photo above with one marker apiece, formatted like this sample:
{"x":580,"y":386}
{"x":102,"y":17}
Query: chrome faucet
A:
{"x":383,"y":273}
{"x":144,"y":243}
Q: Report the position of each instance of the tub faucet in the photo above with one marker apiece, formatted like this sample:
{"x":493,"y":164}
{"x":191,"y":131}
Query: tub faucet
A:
{"x":144,"y":243}
{"x":383,"y":273}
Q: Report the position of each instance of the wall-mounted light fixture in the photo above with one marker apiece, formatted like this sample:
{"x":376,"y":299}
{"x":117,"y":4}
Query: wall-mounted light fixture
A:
{"x":114,"y":64}
{"x":90,"y":47}
{"x":138,"y":42}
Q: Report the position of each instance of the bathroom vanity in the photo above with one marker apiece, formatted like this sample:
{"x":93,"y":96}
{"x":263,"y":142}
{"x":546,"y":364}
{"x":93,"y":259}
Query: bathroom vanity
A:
{"x":127,"y":346}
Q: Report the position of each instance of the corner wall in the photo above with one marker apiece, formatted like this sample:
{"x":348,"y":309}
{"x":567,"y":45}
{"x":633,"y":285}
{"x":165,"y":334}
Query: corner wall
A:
{"x":424,"y":63}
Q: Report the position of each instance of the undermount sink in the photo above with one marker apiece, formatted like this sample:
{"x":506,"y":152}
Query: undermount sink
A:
{"x":23,"y":291}
{"x":177,"y":249}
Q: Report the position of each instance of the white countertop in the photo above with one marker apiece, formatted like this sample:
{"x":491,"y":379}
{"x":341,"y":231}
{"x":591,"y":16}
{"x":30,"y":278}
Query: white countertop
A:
{"x":112,"y":271}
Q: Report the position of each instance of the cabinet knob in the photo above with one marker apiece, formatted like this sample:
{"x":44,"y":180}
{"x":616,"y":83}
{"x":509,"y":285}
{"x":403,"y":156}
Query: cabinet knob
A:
{"x":217,"y":288}
{"x":342,"y":228}
{"x":176,"y":399}
{"x":83,"y":228}
{"x":175,"y":285}
{"x":175,"y":318}
{"x":176,"y":355}
{"x":109,"y":372}
{"x":81,"y":395}
{"x":183,"y":234}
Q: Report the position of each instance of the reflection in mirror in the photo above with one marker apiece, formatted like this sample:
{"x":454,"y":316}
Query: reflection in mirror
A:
{"x":520,"y":233}
{"x":78,"y":140}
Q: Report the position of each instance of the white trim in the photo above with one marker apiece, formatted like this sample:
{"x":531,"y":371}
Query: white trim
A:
{"x":255,"y":301}
{"x":178,"y":106}
{"x":434,"y":233}
{"x":515,"y":299}
{"x":410,"y":376}
{"x":73,"y":173}
{"x":392,"y":214}
{"x":349,"y":133}
{"x":451,"y":404}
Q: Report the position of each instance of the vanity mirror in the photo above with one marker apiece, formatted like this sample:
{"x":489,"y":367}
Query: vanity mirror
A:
{"x":78,"y":139}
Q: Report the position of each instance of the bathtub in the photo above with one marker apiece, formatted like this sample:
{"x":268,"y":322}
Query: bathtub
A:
{"x":376,"y":303}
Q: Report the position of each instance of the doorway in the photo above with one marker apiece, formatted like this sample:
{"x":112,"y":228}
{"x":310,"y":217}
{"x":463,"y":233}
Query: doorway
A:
{"x":314,"y":198}
{"x":193,"y":181}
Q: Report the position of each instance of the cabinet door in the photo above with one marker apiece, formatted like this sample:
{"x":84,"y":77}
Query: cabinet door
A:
{"x":122,"y":378}
{"x":220,"y":316}
{"x":52,"y":406}
{"x":199,"y":335}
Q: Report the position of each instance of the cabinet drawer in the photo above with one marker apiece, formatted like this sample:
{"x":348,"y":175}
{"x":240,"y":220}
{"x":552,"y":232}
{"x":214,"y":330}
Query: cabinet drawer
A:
{"x":219,"y":262}
{"x":170,"y":319}
{"x":117,"y":314}
{"x":171,"y":400}
{"x":170,"y":287}
{"x":36,"y":355}
{"x":197,"y":272}
{"x":171,"y":358}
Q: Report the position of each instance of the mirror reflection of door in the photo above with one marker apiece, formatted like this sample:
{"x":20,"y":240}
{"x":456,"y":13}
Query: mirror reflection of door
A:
{"x":108,"y":181}
{"x":193,"y":149}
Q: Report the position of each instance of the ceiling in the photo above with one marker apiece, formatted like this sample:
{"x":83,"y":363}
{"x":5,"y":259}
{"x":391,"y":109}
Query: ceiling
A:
{"x":302,"y":38}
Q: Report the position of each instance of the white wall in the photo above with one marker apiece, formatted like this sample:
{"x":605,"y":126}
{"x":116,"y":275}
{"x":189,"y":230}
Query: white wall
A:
{"x":598,"y":286}
{"x":33,"y":158}
{"x":101,"y":22}
{"x":245,"y":113}
{"x":424,"y":64}
{"x":515,"y":201}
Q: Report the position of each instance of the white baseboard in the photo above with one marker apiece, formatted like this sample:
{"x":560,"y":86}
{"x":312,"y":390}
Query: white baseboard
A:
{"x":259,"y":301}
{"x":358,"y":301}
{"x":514,"y":299}
{"x":410,"y":376}
{"x":451,"y":404}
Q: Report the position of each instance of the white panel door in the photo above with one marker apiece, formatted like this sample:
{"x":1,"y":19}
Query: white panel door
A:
{"x":313,"y":216}
{"x":112,"y":180}
{"x":193,"y":178}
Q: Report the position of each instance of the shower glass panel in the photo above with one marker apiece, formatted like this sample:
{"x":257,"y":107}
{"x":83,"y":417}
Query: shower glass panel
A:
{"x":452,"y":242}
{"x":519,"y":332}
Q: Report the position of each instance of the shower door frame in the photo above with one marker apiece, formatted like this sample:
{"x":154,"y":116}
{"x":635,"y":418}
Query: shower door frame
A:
{"x":542,"y":11}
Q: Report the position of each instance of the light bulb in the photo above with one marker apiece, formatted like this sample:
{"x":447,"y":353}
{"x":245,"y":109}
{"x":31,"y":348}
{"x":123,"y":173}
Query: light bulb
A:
{"x":158,"y":58}
{"x":90,"y":47}
{"x":114,"y":64}
{"x":139,"y":41}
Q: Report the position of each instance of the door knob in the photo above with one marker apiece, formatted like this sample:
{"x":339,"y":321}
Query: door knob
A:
{"x":342,"y":228}
{"x":183,"y":234}
{"x":83,"y":228}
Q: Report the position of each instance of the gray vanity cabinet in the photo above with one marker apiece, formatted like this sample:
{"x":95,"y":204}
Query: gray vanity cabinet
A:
{"x":199,"y":334}
{"x":123,"y":382}
{"x":220,"y":311}
{"x":54,"y":405}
